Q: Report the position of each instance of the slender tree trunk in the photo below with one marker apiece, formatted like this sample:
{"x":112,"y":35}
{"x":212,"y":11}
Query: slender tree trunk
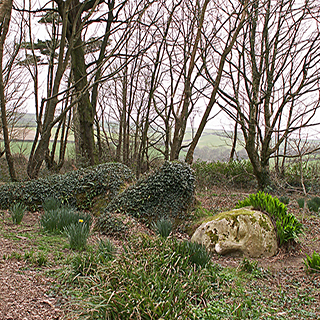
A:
{"x":195,"y":140}
{"x":5,"y":16}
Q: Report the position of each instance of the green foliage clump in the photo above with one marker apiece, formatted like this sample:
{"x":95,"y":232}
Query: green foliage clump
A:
{"x":237,"y":173}
{"x":55,"y":220}
{"x":162,"y":227}
{"x":17,"y":211}
{"x":312,"y":263}
{"x":301,"y":202}
{"x":149,"y":279}
{"x":310,"y":171}
{"x":287,"y":225}
{"x":196,"y":253}
{"x":111,"y":225}
{"x":168,"y":192}
{"x":51,"y":203}
{"x":78,"y":234}
{"x":314,"y":204}
{"x":284,"y":199}
{"x":77,"y":188}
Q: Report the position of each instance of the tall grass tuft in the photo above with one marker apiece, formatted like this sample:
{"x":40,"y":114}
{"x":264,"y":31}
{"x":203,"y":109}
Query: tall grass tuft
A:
{"x":312,"y":263}
{"x":195,"y":252}
{"x":55,"y":220}
{"x":17,"y":211}
{"x":162,"y":227}
{"x":78,"y":234}
{"x":51,"y":203}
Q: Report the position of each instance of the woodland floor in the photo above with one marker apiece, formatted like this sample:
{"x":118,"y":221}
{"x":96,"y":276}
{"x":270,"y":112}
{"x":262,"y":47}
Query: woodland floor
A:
{"x":27,"y":289}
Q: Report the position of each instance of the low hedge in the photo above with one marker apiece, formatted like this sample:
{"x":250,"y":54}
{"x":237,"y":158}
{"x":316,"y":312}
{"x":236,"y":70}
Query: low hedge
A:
{"x":167,"y":192}
{"x":77,"y":188}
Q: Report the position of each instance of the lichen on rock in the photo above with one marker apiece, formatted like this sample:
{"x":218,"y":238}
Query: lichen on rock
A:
{"x":239,"y":232}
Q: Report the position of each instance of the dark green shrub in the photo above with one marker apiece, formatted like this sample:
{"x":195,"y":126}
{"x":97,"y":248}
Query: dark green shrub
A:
{"x":56,"y":220}
{"x":17,"y":211}
{"x":168,"y":192}
{"x":287,"y":225}
{"x":111,"y":225}
{"x":77,"y":188}
{"x":312,"y":263}
{"x":162,"y":227}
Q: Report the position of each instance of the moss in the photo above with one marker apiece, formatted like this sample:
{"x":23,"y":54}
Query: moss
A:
{"x":213,"y":237}
{"x":264,"y":224}
{"x":233,"y":214}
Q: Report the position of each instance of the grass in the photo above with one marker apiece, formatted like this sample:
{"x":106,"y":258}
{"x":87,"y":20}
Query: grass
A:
{"x":153,"y":278}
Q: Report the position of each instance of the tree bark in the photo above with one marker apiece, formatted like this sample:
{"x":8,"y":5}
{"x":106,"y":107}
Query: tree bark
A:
{"x":5,"y":16}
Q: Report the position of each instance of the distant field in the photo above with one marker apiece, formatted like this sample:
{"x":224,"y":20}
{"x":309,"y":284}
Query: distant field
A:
{"x":213,"y":144}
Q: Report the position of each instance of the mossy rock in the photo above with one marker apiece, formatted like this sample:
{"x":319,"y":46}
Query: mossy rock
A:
{"x":238,"y":232}
{"x":78,"y":188}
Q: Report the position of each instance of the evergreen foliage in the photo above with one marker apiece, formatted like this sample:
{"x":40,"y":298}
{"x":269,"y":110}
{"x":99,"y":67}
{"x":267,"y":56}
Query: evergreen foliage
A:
{"x":168,"y":192}
{"x":77,"y":188}
{"x":287,"y":225}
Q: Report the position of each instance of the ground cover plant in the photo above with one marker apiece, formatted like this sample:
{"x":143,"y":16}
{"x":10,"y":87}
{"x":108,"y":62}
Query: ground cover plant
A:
{"x":288,"y":227}
{"x":312,"y":263}
{"x":167,"y":192}
{"x":17,"y":211}
{"x":77,"y":188}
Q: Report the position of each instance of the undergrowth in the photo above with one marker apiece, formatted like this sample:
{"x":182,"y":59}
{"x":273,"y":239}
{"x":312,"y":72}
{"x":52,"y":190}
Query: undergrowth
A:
{"x":288,"y":227}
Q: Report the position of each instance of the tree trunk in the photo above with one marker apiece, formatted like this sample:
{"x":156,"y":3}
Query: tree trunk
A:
{"x":5,"y":16}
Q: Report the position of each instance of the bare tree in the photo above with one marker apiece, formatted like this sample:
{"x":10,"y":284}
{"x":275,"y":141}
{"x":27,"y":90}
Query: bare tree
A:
{"x":270,"y":85}
{"x":5,"y":17}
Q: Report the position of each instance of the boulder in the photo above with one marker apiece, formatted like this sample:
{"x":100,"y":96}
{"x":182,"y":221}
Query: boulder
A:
{"x":239,"y":232}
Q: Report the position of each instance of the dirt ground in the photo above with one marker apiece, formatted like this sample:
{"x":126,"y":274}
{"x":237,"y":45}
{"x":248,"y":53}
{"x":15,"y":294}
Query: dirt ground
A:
{"x":25,"y":291}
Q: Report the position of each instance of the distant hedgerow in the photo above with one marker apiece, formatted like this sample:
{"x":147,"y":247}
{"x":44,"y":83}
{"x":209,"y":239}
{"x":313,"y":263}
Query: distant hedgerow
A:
{"x":238,"y":173}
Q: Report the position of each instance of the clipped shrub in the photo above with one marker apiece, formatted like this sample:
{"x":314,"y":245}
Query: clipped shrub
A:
{"x":78,"y":234}
{"x":111,"y":225}
{"x":17,"y":211}
{"x":77,"y":188}
{"x":312,"y":263}
{"x":288,"y":227}
{"x":168,"y":192}
{"x":56,"y":220}
{"x":162,"y":227}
